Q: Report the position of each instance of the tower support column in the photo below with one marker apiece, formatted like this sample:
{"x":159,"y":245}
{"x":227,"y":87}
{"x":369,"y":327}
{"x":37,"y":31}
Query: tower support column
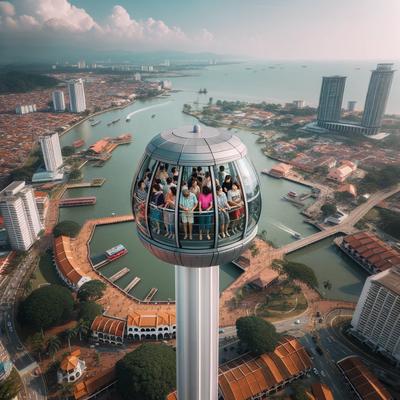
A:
{"x":197,"y":315}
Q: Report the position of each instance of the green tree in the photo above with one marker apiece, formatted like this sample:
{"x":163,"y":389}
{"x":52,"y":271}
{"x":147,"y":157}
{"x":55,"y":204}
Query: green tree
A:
{"x":10,"y":387}
{"x":256,"y":334}
{"x":89,"y":310}
{"x":38,"y":344}
{"x":66,"y":228}
{"x":68,"y":335}
{"x":343,"y":197}
{"x":149,"y":372}
{"x":47,"y":306}
{"x":67,"y":389}
{"x":328,"y":209}
{"x":75,"y":174}
{"x":91,"y":290}
{"x":67,"y":151}
{"x":301,"y":272}
{"x":53,"y":345}
{"x":299,"y":392}
{"x":83,"y":328}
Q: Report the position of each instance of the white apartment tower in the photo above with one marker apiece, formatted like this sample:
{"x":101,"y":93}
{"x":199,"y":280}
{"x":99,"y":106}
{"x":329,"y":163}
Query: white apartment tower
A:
{"x":77,"y":101}
{"x":21,"y":216}
{"x":51,"y":150}
{"x":58,"y":100}
{"x":376,"y":320}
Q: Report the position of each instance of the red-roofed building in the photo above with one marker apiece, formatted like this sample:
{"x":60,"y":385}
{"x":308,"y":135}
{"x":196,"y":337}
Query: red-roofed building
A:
{"x":250,"y":377}
{"x":370,"y":252}
{"x":108,"y":329}
{"x":156,"y":325}
{"x":280,"y":170}
{"x":361,"y":381}
{"x":99,"y":147}
{"x":320,"y":391}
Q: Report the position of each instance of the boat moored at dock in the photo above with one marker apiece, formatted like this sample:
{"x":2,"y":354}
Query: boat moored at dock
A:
{"x":116,"y":252}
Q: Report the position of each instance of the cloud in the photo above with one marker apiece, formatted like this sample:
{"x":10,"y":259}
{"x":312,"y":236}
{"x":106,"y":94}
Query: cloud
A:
{"x":62,"y":21}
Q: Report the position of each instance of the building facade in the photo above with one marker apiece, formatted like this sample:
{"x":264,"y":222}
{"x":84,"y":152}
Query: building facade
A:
{"x":58,"y":101}
{"x":21,"y":216}
{"x":51,"y":151}
{"x":330,"y":99}
{"x":351,"y":105}
{"x":377,"y":96}
{"x":5,"y":363}
{"x":77,"y":100}
{"x":376,"y":320}
{"x":160,"y":325}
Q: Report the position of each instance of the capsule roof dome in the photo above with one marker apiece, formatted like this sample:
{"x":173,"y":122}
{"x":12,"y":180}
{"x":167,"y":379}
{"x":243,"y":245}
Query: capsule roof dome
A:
{"x":195,"y":145}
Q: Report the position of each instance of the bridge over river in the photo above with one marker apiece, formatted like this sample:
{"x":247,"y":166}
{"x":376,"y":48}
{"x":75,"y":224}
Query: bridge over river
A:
{"x":346,"y":227}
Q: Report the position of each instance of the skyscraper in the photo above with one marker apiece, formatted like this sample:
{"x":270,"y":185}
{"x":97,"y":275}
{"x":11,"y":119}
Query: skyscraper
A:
{"x":51,"y":150}
{"x":21,"y":216}
{"x":58,"y":100}
{"x":77,"y":101}
{"x":377,"y":96}
{"x":330,"y":99}
{"x":376,"y":318}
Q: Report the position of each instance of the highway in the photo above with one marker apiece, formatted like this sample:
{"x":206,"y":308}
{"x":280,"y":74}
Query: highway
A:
{"x":34,"y":385}
{"x":347,"y":226}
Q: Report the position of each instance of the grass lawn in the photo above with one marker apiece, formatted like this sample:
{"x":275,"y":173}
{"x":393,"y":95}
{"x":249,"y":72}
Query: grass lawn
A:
{"x":45,"y":273}
{"x":282,"y":302}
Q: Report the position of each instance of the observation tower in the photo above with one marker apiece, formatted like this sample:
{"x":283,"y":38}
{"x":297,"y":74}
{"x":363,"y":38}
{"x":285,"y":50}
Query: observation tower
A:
{"x":196,"y":200}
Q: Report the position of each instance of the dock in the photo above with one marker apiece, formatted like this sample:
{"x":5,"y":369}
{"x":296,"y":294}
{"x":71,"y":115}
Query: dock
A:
{"x":101,"y":264}
{"x":151,"y":294}
{"x":77,"y":201}
{"x":132,"y":284}
{"x":119,"y":274}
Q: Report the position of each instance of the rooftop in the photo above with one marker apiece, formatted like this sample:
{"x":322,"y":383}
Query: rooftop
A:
{"x":150,"y":320}
{"x":363,"y":381}
{"x":247,"y":376}
{"x":108,"y":325}
{"x":373,"y":250}
{"x":390,"y":279}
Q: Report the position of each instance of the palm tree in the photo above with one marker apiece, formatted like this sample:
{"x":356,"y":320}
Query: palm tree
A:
{"x":38,"y":344}
{"x":53,"y":345}
{"x":70,"y":334}
{"x":82,"y":328}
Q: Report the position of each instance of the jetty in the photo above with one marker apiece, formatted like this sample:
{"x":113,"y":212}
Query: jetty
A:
{"x":150,"y":295}
{"x":131,"y":284}
{"x":77,"y":201}
{"x":119,"y":274}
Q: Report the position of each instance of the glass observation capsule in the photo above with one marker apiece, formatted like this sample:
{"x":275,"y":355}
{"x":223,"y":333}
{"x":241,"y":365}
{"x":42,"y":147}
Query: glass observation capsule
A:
{"x":196,"y":197}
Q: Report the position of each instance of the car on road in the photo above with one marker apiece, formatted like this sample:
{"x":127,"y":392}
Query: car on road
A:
{"x":222,"y":330}
{"x":315,"y":371}
{"x":297,"y":322}
{"x":319,"y":350}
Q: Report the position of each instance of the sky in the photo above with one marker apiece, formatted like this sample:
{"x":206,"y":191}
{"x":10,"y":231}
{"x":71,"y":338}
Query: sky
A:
{"x":265,"y":29}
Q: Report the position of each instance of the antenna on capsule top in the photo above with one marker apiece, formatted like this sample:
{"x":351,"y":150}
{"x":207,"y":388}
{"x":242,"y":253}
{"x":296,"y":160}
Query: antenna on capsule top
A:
{"x":196,"y":128}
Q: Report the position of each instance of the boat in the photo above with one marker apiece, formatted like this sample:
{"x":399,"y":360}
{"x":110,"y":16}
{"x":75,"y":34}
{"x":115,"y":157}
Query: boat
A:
{"x":128,"y":119}
{"x":91,"y":119}
{"x":95,"y":123}
{"x":153,"y":116}
{"x":109,"y":124}
{"x":292,"y":194}
{"x":116,"y":252}
{"x":115,"y":121}
{"x":296,"y":235}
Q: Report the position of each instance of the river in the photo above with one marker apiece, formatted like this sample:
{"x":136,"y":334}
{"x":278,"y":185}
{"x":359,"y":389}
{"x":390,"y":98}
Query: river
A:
{"x":278,"y":218}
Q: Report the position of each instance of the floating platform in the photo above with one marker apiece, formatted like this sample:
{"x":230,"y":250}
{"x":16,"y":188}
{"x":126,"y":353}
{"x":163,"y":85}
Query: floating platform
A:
{"x":119,"y":274}
{"x":132,"y":284}
{"x":151,"y":294}
{"x":101,"y":264}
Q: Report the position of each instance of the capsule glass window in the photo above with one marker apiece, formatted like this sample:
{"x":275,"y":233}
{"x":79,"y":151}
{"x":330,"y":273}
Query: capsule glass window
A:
{"x":196,"y":220}
{"x":162,"y":203}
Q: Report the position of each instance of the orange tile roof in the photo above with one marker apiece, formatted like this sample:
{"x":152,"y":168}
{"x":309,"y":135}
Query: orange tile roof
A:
{"x":364,"y":382}
{"x":373,"y":249}
{"x":69,"y":363}
{"x":320,"y":391}
{"x":94,"y":384}
{"x":108,"y":325}
{"x":249,"y":376}
{"x":99,"y":146}
{"x":172,"y":396}
{"x":65,"y":259}
{"x":146,"y":320}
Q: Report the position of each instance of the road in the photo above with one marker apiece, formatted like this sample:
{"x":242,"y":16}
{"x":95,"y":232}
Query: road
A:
{"x":347,"y":226}
{"x":35,"y":387}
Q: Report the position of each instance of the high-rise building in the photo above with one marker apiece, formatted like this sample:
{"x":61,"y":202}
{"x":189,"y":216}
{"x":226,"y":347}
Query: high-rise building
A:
{"x":299,"y":103}
{"x":21,"y":216}
{"x":77,"y":101}
{"x":377,"y":96}
{"x":51,"y":150}
{"x":351,"y":105}
{"x":330,"y":99}
{"x":58,"y":100}
{"x":376,"y":318}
